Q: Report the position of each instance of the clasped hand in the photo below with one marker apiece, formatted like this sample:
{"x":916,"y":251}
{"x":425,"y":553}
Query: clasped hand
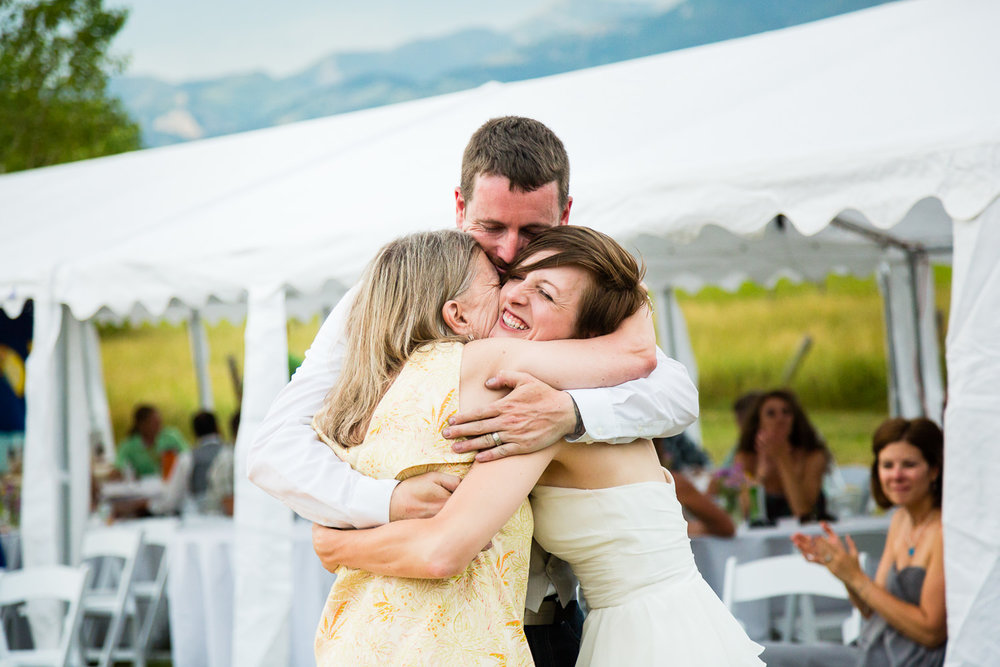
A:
{"x":531,"y":417}
{"x":770,"y":444}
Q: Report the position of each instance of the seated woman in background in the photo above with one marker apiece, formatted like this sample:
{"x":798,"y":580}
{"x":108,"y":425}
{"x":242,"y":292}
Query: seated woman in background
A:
{"x":780,"y":450}
{"x":147,"y":442}
{"x":904,"y":604}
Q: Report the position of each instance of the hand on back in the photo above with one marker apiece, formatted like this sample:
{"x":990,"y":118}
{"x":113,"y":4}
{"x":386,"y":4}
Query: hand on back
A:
{"x":531,"y":417}
{"x":421,"y":496}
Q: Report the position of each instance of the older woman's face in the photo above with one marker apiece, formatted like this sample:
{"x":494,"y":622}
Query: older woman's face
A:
{"x":481,"y":300}
{"x":542,"y":306}
{"x":904,"y":473}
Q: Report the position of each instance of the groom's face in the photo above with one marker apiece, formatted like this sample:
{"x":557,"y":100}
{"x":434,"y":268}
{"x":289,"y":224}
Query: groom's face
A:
{"x":503,"y":220}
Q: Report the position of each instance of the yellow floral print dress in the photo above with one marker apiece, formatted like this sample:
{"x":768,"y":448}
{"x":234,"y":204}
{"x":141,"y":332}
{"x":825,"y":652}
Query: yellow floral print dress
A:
{"x":474,"y":618}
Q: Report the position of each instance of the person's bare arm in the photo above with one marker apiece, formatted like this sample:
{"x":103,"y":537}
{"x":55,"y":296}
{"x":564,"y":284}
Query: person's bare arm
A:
{"x":534,"y":415}
{"x":801,"y":486}
{"x":924,"y":623}
{"x":713,"y":519}
{"x":813,"y":548}
{"x":445,"y":544}
{"x":533,"y":367}
{"x":626,"y":354}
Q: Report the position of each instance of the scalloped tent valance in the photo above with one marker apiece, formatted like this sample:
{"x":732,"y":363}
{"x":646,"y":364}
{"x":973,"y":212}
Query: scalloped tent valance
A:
{"x":872,"y":111}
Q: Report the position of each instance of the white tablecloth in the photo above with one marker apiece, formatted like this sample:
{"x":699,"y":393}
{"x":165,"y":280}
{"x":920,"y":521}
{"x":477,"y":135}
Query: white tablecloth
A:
{"x":710,"y":553}
{"x":144,"y":487}
{"x":200,"y":589}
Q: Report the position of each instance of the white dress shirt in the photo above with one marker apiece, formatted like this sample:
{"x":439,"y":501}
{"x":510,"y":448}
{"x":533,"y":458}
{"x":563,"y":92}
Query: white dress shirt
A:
{"x":289,"y":462}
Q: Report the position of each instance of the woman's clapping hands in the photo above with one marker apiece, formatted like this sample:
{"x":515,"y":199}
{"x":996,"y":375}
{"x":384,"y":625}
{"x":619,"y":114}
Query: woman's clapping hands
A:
{"x":840,"y":557}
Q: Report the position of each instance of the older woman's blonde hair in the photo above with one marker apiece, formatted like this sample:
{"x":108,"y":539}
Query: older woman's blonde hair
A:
{"x":397,"y":310}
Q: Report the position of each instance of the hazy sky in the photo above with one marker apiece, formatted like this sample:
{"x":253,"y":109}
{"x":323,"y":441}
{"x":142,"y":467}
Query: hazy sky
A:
{"x":189,"y":39}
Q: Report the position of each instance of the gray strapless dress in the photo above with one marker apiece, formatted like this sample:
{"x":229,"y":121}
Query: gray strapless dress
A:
{"x":649,"y":605}
{"x":884,"y":646}
{"x":880,"y":645}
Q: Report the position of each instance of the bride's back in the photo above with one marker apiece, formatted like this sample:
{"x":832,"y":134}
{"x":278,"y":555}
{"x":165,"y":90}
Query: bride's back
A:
{"x":601,"y":466}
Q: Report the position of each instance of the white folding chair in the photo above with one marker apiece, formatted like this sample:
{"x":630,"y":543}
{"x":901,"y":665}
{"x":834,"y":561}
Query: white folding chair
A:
{"x":793,"y":577}
{"x":112,"y":554}
{"x":57,"y":583}
{"x":149,"y":585}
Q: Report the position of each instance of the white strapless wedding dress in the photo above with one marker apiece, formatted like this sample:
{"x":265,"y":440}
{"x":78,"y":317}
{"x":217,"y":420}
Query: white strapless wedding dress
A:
{"x":649,"y":605}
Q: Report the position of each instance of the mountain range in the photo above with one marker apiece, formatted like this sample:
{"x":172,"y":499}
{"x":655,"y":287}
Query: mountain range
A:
{"x":570,"y":35}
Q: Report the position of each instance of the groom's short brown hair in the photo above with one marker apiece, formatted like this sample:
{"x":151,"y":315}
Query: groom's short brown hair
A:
{"x":523,"y":150}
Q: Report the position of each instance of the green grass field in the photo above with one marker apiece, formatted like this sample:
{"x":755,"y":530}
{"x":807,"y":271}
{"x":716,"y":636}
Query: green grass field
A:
{"x":742,"y":341}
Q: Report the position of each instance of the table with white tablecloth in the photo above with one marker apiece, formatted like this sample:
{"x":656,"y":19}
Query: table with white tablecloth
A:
{"x":200,"y":589}
{"x":711,"y":553}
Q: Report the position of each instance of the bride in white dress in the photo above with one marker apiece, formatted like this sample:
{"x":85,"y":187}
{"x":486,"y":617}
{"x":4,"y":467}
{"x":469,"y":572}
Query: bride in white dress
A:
{"x":610,"y":511}
{"x":628,"y":546}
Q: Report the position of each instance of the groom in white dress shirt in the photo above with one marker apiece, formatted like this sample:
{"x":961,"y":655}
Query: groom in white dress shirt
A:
{"x":514,"y":184}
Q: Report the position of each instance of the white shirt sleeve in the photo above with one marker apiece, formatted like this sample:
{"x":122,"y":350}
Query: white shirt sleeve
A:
{"x":665,"y":403}
{"x":288,"y":461}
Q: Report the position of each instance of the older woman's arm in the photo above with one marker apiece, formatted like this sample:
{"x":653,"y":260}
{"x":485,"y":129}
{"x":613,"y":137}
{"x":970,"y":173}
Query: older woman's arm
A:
{"x":801,"y":484}
{"x":444,"y":545}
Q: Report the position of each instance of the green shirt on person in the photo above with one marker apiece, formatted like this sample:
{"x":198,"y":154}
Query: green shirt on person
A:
{"x":132,"y":451}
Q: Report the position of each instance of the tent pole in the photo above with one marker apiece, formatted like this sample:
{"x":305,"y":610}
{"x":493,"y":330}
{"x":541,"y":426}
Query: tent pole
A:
{"x":101,"y":435}
{"x":883,"y":238}
{"x":62,"y":448}
{"x":914,"y":261}
{"x":665,"y":317}
{"x":200,"y":353}
{"x":895,"y":409}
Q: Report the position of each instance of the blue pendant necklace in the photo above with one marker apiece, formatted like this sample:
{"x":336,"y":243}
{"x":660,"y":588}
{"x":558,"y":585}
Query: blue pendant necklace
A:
{"x":915,"y":532}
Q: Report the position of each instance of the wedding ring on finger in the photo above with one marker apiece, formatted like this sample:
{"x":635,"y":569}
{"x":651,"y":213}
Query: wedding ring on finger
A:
{"x":827,"y":558}
{"x":496,"y":438}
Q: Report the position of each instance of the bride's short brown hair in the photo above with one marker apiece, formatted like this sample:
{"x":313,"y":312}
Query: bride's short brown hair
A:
{"x":615,"y":288}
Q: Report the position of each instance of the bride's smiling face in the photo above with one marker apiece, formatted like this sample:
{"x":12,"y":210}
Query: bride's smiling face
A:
{"x":544,"y":305}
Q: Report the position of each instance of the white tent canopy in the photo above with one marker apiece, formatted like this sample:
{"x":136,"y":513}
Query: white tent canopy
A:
{"x":885,"y":118}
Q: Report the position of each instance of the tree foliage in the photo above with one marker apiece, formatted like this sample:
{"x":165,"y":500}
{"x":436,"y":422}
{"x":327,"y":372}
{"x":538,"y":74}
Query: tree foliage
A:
{"x":54,"y":69}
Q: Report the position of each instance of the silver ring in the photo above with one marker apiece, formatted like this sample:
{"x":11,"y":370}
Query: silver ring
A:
{"x":496,"y":438}
{"x":827,"y":558}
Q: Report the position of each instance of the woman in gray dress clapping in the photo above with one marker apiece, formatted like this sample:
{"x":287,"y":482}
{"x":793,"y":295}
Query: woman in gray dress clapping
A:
{"x":905,"y":602}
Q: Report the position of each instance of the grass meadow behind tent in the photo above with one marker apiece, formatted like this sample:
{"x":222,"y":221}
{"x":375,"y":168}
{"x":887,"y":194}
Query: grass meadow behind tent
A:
{"x":742,"y":341}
